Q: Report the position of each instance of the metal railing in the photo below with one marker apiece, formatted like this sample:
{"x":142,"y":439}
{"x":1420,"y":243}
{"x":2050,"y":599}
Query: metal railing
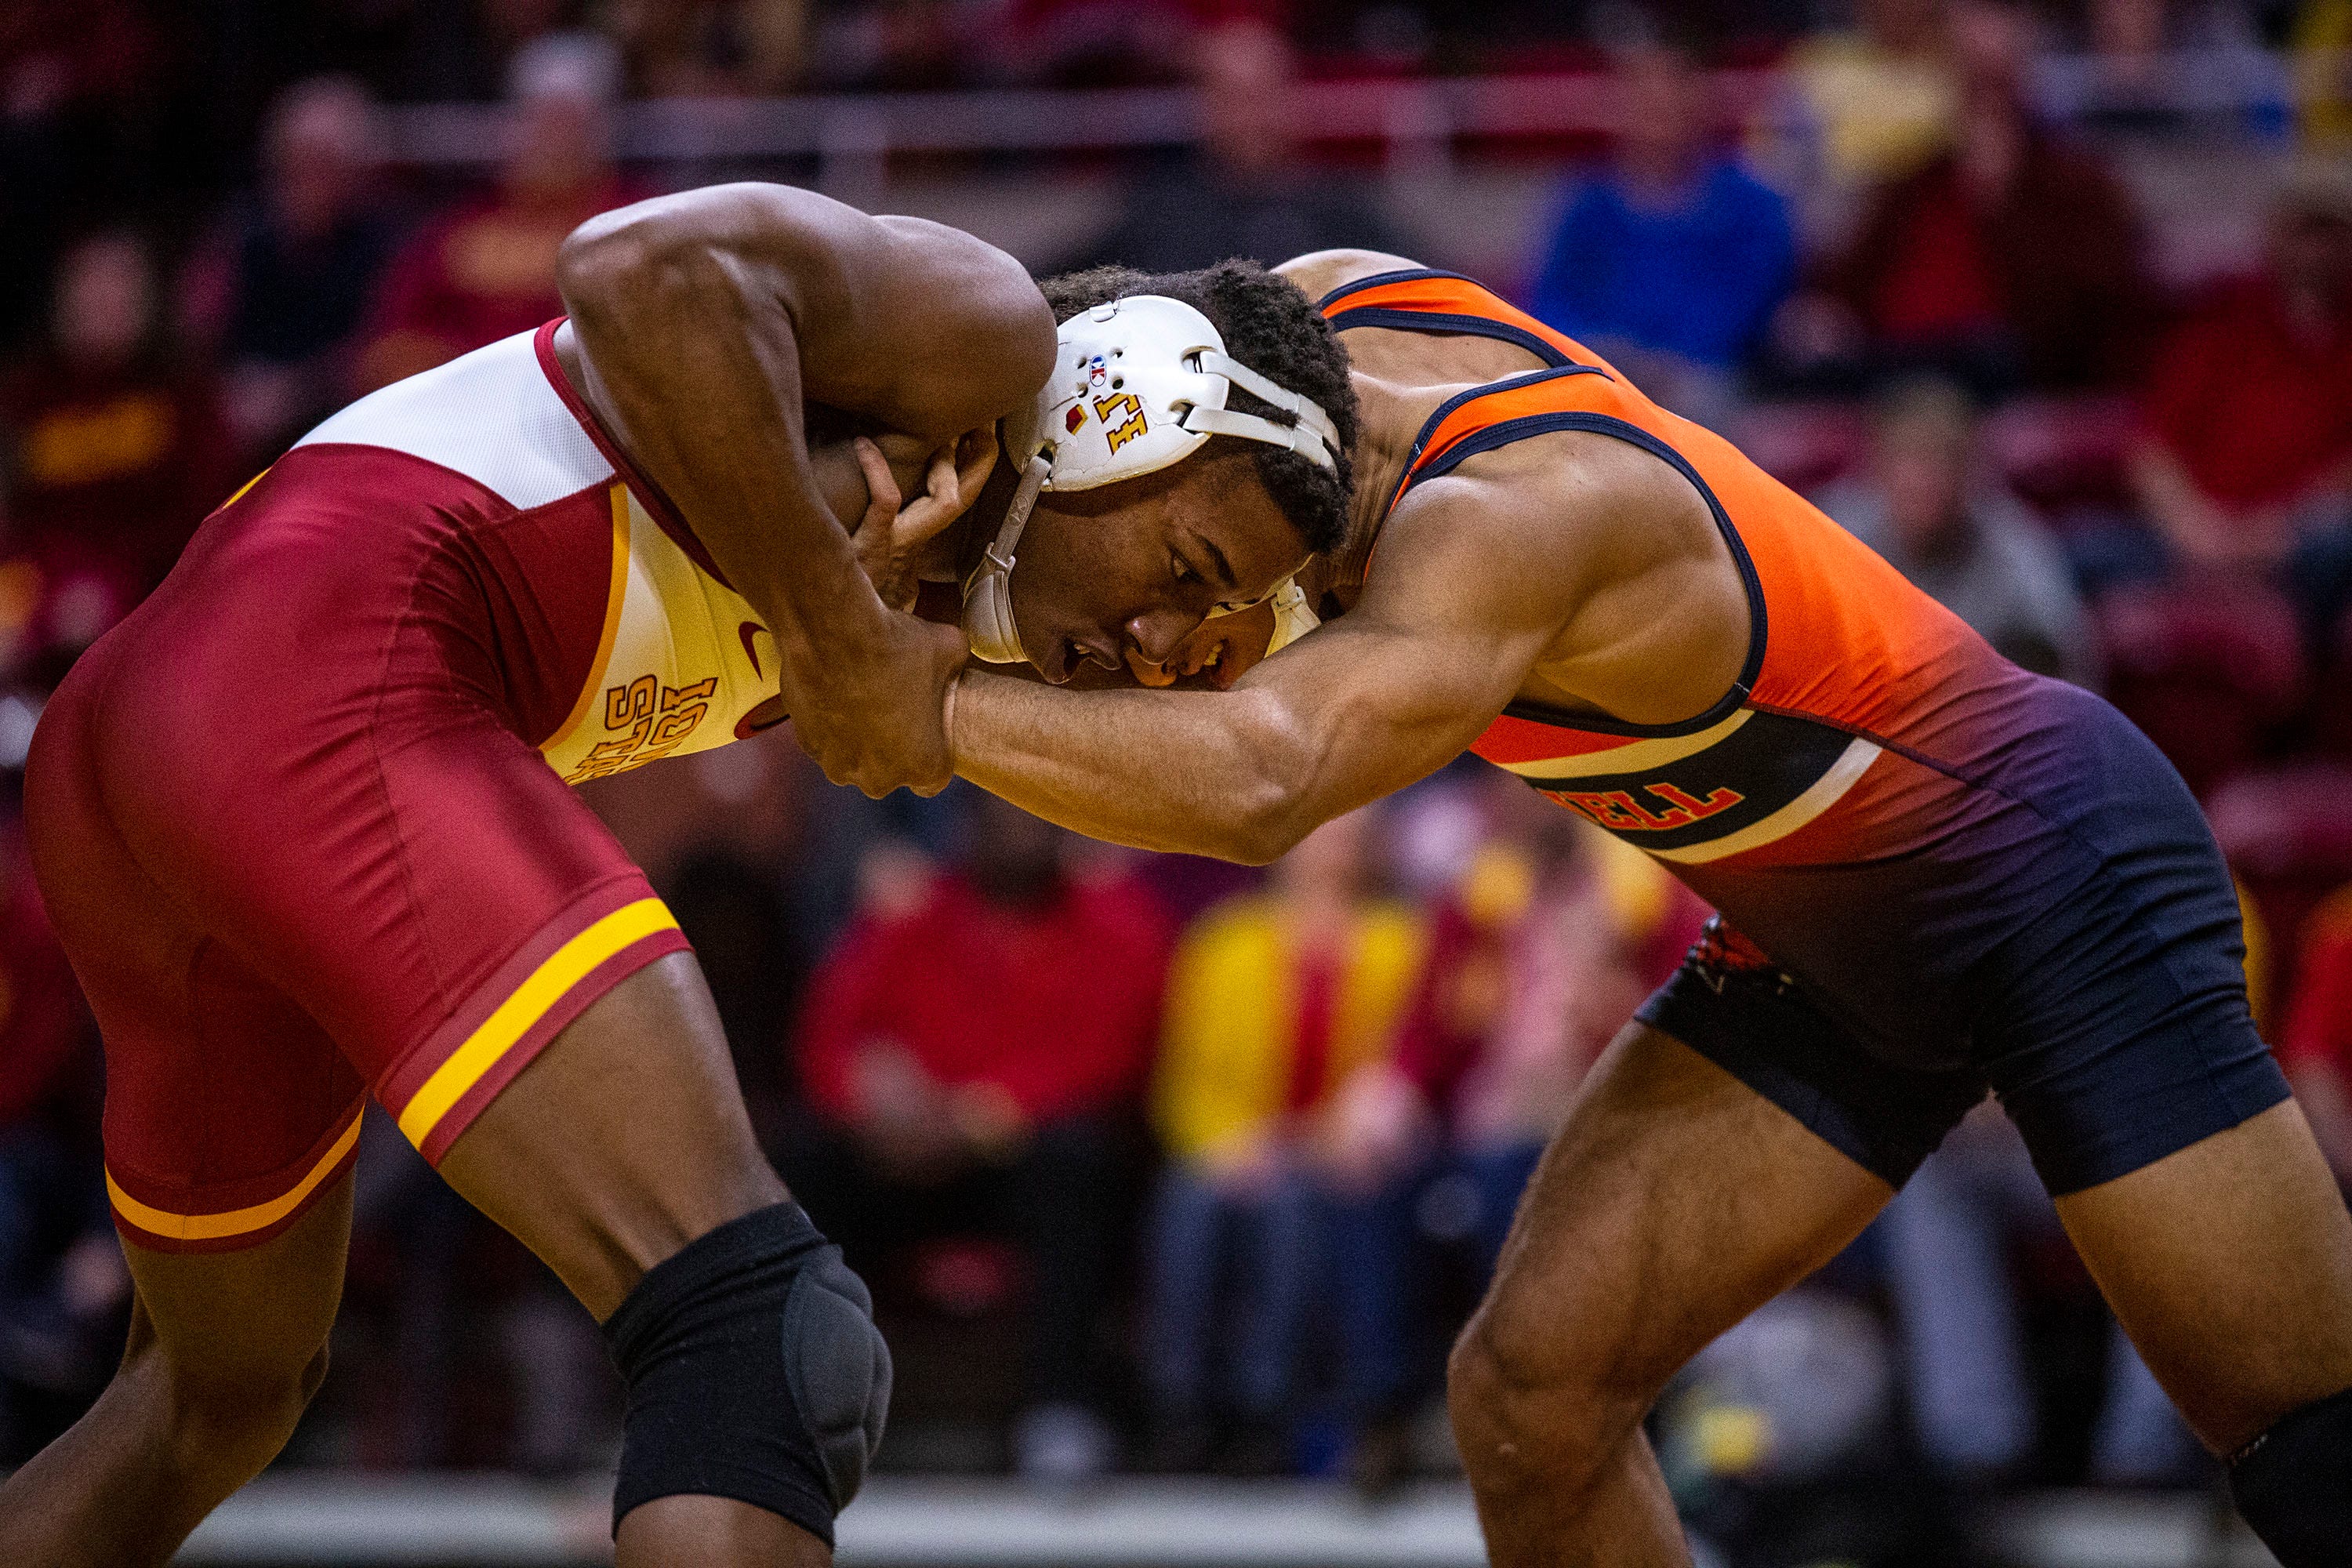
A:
{"x":1416,"y":123}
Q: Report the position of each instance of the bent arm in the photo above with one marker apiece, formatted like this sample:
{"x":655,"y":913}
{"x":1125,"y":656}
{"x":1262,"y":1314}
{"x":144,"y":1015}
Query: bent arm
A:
{"x":1395,"y":689}
{"x":707,"y":323}
{"x":1345,"y":717}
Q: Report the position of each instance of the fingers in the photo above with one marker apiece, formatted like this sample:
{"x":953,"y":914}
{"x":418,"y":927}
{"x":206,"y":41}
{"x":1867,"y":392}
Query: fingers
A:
{"x":939,"y":484}
{"x":877,"y":544}
{"x":949,"y":492}
{"x":882,"y":497}
{"x":978,"y":449}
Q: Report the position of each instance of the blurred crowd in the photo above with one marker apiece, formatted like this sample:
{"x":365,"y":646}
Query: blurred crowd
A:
{"x":1155,"y":1163}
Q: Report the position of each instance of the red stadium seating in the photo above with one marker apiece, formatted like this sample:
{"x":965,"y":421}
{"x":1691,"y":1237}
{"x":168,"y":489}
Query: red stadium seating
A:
{"x":2208,"y":670}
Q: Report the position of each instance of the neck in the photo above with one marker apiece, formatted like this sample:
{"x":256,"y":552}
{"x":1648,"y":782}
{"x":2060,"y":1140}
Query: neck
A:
{"x":1386,"y":425}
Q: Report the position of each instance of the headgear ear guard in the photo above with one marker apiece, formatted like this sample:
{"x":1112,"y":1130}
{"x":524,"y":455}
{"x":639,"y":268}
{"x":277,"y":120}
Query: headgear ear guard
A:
{"x":1139,"y":384}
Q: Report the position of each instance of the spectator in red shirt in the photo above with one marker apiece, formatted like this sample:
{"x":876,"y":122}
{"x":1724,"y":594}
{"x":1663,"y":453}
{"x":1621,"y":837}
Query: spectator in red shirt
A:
{"x":114,"y":451}
{"x":975,"y":1057}
{"x":2009,"y":260}
{"x":2246,"y":464}
{"x":486,"y":271}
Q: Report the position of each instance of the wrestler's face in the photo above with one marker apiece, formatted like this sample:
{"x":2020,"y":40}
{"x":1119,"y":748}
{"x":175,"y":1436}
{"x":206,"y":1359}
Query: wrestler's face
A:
{"x":1121,"y":577}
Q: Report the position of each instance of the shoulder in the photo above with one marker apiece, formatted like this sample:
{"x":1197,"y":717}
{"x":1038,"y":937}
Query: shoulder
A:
{"x":1581,"y":480}
{"x":966,"y":255}
{"x":1320,"y":271}
{"x":1528,"y":534}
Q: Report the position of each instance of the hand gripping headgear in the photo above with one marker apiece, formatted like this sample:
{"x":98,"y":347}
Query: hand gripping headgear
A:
{"x":1138,"y":385}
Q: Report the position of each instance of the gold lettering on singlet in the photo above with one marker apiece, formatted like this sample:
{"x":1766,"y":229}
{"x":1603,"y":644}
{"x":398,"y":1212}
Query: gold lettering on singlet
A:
{"x":648,"y":720}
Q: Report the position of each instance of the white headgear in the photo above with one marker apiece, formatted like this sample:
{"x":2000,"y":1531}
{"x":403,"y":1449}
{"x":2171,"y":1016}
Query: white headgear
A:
{"x":1138,"y":385}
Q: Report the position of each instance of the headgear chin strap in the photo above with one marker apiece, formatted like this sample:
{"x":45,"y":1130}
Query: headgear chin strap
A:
{"x":1138,"y":384}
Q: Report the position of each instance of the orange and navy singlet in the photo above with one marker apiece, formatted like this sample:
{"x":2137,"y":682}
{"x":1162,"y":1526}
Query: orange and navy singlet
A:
{"x":1905,"y":821}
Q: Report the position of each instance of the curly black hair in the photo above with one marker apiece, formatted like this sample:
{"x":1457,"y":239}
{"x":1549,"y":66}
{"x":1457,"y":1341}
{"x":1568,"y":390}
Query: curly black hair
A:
{"x":1272,"y":327}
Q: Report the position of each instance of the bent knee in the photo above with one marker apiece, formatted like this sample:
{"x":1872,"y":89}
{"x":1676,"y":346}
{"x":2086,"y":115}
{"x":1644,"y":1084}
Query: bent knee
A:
{"x":230,"y":1419}
{"x":1539,"y":1410}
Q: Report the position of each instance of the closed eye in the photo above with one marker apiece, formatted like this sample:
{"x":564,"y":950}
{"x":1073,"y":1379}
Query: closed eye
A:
{"x":1181,"y":569}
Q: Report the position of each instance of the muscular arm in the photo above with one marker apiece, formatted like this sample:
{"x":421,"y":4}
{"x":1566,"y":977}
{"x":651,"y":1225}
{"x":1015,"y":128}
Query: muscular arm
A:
{"x":708,"y":321}
{"x":1366,"y":705}
{"x":1568,"y":550}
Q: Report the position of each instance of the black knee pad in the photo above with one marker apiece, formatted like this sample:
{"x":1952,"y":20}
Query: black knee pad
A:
{"x":754,"y":1372}
{"x":2294,"y":1485}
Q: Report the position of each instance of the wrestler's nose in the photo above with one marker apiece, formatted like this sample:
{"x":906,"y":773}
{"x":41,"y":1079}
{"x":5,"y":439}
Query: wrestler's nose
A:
{"x":1154,"y":636}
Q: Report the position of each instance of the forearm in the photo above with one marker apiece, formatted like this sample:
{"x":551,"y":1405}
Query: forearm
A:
{"x":699,"y":363}
{"x":1221,"y":773}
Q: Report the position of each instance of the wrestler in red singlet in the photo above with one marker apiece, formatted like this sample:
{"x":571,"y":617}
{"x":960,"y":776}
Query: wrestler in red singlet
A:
{"x":460,"y":559}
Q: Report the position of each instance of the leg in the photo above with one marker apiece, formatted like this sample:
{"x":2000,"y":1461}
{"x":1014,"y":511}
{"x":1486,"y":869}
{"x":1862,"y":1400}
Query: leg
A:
{"x":1674,"y":1202}
{"x":2229,"y":1264}
{"x":622,"y":1143}
{"x":225,"y":1350}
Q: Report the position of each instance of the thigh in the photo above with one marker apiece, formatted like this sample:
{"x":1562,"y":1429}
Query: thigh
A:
{"x":328,"y":786}
{"x":1673,"y":1202}
{"x":248,"y":1317}
{"x":229,"y":1111}
{"x":2229,"y":1264}
{"x":622,"y":1141}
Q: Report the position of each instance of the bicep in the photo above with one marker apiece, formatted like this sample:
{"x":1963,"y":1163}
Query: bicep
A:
{"x":1398,"y":687}
{"x":917,"y":325}
{"x":942,"y":332}
{"x":1379,"y":708}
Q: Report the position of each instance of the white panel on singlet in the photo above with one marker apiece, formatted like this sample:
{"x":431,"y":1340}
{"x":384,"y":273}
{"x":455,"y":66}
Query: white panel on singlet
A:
{"x":491,"y":415}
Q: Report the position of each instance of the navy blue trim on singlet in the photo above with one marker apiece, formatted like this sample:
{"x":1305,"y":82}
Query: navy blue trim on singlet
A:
{"x":1509,"y":430}
{"x":1402,"y":275}
{"x":1434,"y":322}
{"x":1445,"y":409}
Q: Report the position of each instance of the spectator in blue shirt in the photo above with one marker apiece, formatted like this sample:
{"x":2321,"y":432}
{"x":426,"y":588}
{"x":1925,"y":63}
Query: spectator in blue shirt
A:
{"x":1670,"y":259}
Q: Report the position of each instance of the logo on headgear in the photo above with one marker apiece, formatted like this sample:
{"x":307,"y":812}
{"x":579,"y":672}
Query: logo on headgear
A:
{"x":1123,"y":415}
